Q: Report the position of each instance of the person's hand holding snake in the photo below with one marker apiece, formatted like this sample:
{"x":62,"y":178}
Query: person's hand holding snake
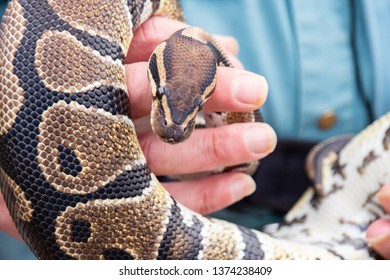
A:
{"x":236,"y":90}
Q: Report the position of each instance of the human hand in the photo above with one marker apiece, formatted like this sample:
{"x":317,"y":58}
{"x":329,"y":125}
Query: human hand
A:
{"x":378,"y":233}
{"x":6,"y":223}
{"x":207,"y":149}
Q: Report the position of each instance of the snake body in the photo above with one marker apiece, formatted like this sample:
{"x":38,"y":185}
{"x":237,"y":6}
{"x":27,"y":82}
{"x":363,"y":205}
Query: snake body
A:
{"x":74,"y":177}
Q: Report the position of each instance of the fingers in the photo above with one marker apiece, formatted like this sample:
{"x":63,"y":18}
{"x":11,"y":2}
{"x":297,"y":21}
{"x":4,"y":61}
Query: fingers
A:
{"x":149,"y":35}
{"x":231,"y":48}
{"x":208,"y":149}
{"x":212,"y":193}
{"x":6,"y":223}
{"x":378,"y":236}
{"x":378,"y":233}
{"x":384,"y":197}
{"x":229,"y":43}
{"x":236,"y":90}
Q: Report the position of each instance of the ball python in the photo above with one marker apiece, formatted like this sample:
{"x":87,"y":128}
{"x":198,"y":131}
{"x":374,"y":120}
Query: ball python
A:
{"x":74,"y":177}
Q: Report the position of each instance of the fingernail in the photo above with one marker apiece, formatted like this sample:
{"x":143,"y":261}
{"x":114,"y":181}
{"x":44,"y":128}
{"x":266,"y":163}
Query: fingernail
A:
{"x":249,"y":89}
{"x":242,"y":186}
{"x":260,"y":139}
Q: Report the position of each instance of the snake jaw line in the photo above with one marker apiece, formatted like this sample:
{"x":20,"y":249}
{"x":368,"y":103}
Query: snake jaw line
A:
{"x":173,"y":133}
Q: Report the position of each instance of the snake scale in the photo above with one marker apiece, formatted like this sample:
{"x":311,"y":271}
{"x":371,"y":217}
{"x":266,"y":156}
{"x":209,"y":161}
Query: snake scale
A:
{"x":74,"y":177}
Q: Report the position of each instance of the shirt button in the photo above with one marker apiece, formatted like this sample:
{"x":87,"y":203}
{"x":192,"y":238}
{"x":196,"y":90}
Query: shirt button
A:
{"x":327,"y":120}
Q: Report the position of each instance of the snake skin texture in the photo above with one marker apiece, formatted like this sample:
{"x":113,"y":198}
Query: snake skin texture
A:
{"x":74,"y":177}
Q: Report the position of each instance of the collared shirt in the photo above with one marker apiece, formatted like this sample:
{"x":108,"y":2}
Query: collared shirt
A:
{"x":323,"y":59}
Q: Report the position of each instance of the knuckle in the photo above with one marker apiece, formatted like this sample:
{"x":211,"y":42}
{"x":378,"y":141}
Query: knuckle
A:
{"x":218,"y":147}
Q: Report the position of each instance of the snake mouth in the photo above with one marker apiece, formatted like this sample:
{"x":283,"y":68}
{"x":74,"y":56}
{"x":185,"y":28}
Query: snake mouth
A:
{"x":167,"y":129}
{"x":172,"y":133}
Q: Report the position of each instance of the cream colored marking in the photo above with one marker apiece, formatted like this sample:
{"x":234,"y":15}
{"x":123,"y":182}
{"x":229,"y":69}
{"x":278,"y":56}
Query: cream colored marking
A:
{"x":104,"y":151}
{"x":65,"y":65}
{"x":210,"y":88}
{"x":240,"y":244}
{"x":219,"y":240}
{"x":152,"y":83}
{"x":147,"y":11}
{"x":108,"y":19}
{"x":299,"y":209}
{"x":134,"y":225}
{"x":189,"y":118}
{"x":170,"y":9}
{"x":188,"y":217}
{"x":22,"y":207}
{"x":167,"y":110}
{"x":159,"y":51}
{"x":198,"y":34}
{"x":326,"y":173}
{"x":12,"y":30}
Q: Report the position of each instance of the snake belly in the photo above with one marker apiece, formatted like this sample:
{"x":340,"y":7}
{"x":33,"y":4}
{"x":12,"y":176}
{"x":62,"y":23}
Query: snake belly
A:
{"x":75,"y":179}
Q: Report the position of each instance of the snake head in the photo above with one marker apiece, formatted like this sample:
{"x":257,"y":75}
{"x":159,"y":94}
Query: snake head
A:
{"x":182,"y":75}
{"x":173,"y":119}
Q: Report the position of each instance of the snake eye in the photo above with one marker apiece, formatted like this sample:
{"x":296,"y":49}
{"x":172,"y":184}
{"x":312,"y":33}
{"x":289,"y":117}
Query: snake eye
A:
{"x":201,"y":105}
{"x":160,"y":92}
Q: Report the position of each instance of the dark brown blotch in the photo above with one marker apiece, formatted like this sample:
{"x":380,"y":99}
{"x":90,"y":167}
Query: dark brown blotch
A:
{"x":386,"y":139}
{"x":366,"y":161}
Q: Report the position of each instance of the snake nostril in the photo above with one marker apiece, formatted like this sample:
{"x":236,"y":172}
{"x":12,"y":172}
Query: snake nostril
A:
{"x":165,"y":122}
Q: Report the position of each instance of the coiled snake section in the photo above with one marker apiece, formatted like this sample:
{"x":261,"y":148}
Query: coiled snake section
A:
{"x":74,"y":177}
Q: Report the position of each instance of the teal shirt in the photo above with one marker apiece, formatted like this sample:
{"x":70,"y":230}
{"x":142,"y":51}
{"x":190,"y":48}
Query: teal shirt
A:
{"x":318,"y":56}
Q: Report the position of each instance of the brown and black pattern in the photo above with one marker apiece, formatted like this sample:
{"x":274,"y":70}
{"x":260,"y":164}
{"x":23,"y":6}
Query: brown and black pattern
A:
{"x":82,"y":149}
{"x":65,"y":65}
{"x":12,"y":97}
{"x":326,"y":151}
{"x":107,"y":19}
{"x":181,"y":241}
{"x":132,"y":225}
{"x":71,"y":169}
